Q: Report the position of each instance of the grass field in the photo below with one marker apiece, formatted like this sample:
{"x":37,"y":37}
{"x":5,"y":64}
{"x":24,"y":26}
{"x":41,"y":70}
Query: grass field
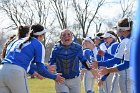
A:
{"x":47,"y":86}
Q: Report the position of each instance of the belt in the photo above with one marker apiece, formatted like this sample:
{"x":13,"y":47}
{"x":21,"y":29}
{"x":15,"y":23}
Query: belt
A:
{"x":72,"y":77}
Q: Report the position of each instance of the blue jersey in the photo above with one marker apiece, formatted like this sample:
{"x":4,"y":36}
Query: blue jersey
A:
{"x":88,"y":54}
{"x":67,"y":59}
{"x":110,"y":52}
{"x":32,"y":50}
{"x":123,"y":51}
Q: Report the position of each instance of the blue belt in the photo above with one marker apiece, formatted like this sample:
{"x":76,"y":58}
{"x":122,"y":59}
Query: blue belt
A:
{"x":72,"y":77}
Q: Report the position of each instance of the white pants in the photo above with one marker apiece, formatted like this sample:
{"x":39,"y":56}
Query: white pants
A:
{"x":125,"y":81}
{"x":108,"y":83}
{"x":88,"y":81}
{"x":115,"y":88}
{"x":69,"y":86}
{"x":12,"y":79}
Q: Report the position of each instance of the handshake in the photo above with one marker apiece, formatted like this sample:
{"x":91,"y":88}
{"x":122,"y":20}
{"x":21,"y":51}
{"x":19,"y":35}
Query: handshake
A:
{"x":96,"y":71}
{"x":59,"y":78}
{"x":48,"y":73}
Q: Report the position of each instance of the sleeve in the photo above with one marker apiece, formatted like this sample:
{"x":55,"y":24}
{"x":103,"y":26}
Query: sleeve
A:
{"x":123,"y":66}
{"x":107,"y":55}
{"x":39,"y":60}
{"x":114,"y":48}
{"x":31,"y":71}
{"x":82,"y":58}
{"x":33,"y":68}
{"x":99,"y":58}
{"x":52,"y":59}
{"x":42,"y":70}
{"x":110,"y":62}
{"x":39,"y":52}
{"x":86,"y":54}
{"x":103,"y":78}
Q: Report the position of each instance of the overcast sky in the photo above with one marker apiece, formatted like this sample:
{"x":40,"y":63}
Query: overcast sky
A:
{"x":107,"y":12}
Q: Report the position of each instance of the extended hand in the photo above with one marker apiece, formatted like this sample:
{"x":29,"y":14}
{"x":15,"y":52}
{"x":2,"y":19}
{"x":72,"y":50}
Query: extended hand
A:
{"x":59,"y":78}
{"x":95,"y":73}
{"x":103,"y":71}
{"x":94,"y":65}
{"x":51,"y":68}
{"x":38,"y":75}
{"x":100,"y":83}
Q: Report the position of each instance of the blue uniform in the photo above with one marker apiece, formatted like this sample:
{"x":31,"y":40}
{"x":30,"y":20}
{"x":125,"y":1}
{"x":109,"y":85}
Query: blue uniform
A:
{"x":17,"y":63}
{"x":108,"y":79}
{"x":67,"y":60}
{"x":123,"y":52}
{"x":31,"y":51}
{"x":88,"y":78}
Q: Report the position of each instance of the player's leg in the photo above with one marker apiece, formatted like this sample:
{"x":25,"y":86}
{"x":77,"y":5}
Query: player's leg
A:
{"x":115,"y":84}
{"x":101,"y":90}
{"x":74,"y":85}
{"x":88,"y":82}
{"x":125,"y":81}
{"x":108,"y":83}
{"x":61,"y":88}
{"x":16,"y":79}
{"x":3,"y":87}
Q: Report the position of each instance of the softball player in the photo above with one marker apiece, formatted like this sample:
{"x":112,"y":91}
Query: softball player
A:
{"x":19,"y":55}
{"x":123,"y":51}
{"x":66,"y":55}
{"x":99,"y":42}
{"x":88,"y":46}
{"x":110,"y":39}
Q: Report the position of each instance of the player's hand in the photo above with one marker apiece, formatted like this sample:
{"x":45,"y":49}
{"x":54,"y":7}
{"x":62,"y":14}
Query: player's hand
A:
{"x":95,"y":73}
{"x":94,"y":65}
{"x":101,"y":53}
{"x":59,"y":78}
{"x":81,"y":76}
{"x":103,"y":71}
{"x":100,"y":83}
{"x":51,"y":68}
{"x":38,"y":76}
{"x":82,"y":72}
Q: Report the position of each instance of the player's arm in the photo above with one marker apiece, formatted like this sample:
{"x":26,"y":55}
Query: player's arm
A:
{"x":53,"y":55}
{"x":110,"y":62}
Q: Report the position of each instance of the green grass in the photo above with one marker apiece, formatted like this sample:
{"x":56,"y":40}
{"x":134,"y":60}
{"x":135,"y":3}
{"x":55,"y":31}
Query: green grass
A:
{"x":47,"y":86}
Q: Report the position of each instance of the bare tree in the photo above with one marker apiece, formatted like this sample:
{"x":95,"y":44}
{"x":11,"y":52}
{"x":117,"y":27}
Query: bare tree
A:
{"x":127,"y":8}
{"x":84,"y":16}
{"x":25,"y":12}
{"x":2,"y":40}
{"x":60,"y":8}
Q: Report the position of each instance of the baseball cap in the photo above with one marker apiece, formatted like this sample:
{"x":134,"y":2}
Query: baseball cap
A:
{"x":88,"y":39}
{"x":106,"y":35}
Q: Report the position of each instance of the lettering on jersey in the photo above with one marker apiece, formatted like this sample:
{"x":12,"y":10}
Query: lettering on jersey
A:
{"x":26,"y":44}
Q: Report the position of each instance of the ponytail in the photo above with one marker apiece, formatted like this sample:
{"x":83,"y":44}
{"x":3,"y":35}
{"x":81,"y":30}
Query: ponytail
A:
{"x":12,"y":38}
{"x":27,"y":39}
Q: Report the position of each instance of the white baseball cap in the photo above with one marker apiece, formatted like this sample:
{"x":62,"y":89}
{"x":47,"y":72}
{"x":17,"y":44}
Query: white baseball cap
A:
{"x":106,"y":35}
{"x":88,"y":39}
